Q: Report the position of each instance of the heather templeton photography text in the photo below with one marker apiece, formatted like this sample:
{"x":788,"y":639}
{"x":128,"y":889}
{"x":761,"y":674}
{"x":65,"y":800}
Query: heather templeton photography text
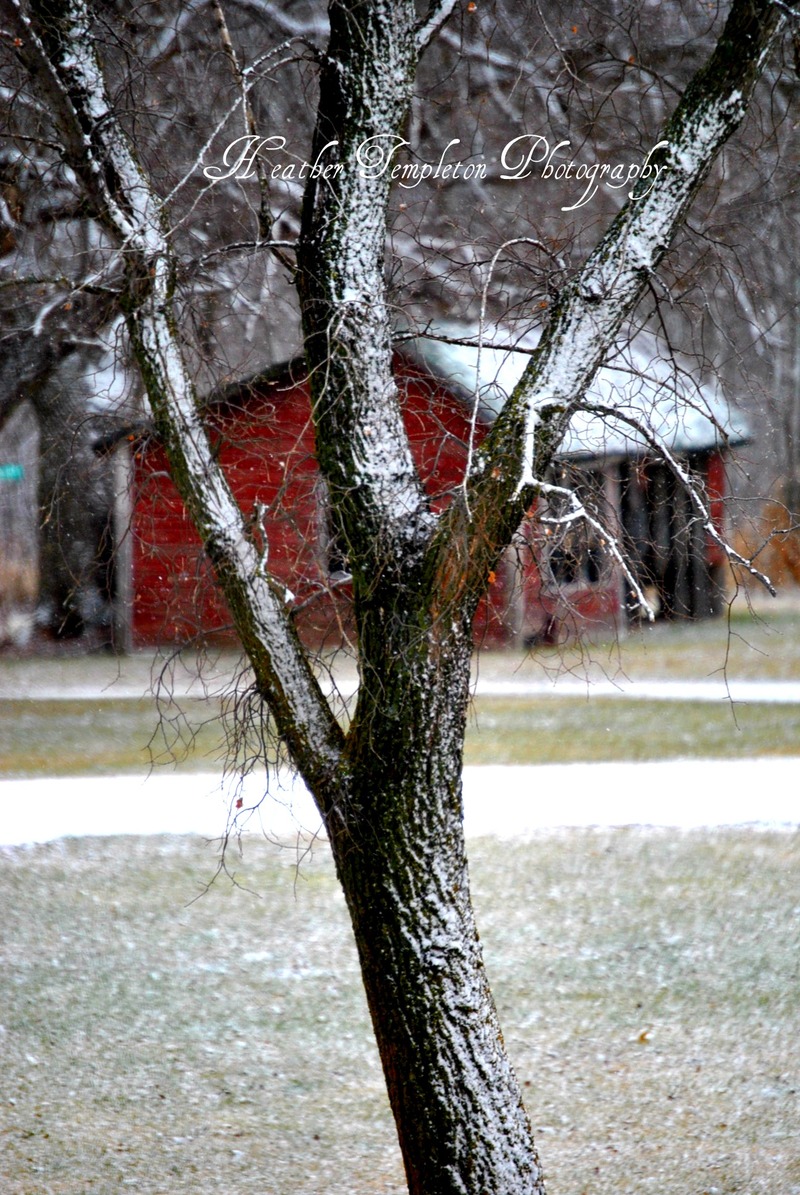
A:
{"x":530,"y":155}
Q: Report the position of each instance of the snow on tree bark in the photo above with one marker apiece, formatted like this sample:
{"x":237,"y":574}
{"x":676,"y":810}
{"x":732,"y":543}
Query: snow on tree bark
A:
{"x":397,"y":838}
{"x":390,"y":789}
{"x":363,"y":448}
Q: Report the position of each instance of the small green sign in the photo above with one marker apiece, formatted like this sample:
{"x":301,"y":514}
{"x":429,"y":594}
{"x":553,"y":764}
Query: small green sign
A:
{"x":12,"y":472}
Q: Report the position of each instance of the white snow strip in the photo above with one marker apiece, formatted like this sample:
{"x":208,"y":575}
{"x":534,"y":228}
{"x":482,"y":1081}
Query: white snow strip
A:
{"x":743,"y":691}
{"x":514,"y":802}
{"x":507,"y":802}
{"x":43,"y":809}
{"x":739,"y":692}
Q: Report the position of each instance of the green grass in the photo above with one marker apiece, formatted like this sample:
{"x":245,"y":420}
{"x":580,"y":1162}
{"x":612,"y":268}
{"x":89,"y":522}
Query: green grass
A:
{"x":744,"y":647}
{"x":568,"y":730}
{"x":79,"y":737}
{"x":102,"y":737}
{"x":647,"y":984}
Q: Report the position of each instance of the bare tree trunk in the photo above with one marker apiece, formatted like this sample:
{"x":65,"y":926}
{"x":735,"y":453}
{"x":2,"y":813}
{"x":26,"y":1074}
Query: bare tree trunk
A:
{"x":397,"y":836}
{"x":400,"y":856}
{"x":75,"y":503}
{"x":74,"y":487}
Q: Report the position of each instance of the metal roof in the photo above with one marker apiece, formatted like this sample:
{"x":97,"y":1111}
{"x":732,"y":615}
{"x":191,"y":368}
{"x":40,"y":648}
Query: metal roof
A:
{"x":638,"y":381}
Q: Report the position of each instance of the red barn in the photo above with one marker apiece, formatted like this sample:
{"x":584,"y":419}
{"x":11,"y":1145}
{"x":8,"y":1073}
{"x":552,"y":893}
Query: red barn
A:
{"x":546,"y":586}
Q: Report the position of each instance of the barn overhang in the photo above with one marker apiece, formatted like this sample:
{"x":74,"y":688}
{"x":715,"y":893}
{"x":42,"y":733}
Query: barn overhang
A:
{"x":656,"y":399}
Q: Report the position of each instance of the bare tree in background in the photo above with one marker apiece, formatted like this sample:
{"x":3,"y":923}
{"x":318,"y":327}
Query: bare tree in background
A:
{"x":60,"y":366}
{"x":389,"y":787}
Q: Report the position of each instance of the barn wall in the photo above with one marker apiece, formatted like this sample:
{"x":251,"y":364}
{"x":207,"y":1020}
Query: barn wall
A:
{"x":265,"y":445}
{"x":266,"y":451}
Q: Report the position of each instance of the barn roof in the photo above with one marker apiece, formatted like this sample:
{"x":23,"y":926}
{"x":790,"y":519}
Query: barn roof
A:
{"x":683,"y":413}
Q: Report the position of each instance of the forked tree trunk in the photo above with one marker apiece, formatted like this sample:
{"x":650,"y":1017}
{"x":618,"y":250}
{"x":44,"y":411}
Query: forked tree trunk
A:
{"x":397,"y":833}
{"x":390,"y":788}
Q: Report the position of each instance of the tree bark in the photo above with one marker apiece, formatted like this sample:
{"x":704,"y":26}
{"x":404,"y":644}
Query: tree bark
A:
{"x":75,"y":504}
{"x":398,"y":836}
{"x":401,"y":860}
{"x":75,"y":485}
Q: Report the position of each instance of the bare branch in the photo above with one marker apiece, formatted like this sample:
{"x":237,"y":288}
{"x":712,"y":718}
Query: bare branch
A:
{"x":133,"y":214}
{"x":526,"y":476}
{"x":590,"y":310}
{"x":580,"y":512}
{"x":240,"y":247}
{"x":432,"y":22}
{"x":264,"y":215}
{"x":787,"y":8}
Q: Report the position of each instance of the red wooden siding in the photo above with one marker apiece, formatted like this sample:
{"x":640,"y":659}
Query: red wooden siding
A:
{"x":265,"y":443}
{"x":265,"y":447}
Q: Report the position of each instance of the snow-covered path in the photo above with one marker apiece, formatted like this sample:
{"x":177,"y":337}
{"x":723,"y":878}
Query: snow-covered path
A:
{"x":739,"y":692}
{"x":503,"y":801}
{"x":779,"y":692}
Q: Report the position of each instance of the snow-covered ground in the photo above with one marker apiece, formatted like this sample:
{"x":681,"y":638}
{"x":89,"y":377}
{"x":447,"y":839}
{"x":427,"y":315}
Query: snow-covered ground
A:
{"x":502,"y":801}
{"x":743,"y":691}
{"x":137,"y":684}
